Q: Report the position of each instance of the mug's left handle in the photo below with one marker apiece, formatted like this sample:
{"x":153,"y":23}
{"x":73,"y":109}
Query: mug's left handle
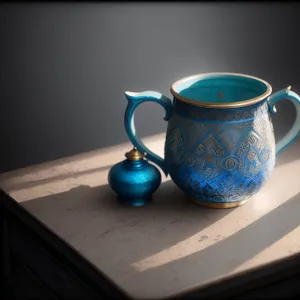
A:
{"x":135,"y":99}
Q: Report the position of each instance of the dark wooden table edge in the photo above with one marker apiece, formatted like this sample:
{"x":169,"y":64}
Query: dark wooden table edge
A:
{"x":229,"y":288}
{"x":245,"y":282}
{"x":73,"y":258}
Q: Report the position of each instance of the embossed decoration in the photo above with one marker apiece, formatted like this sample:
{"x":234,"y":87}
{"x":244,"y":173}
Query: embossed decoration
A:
{"x":208,"y":150}
{"x":230,"y":163}
{"x":220,"y":162}
{"x":221,"y":115}
{"x":190,"y":160}
{"x":175,"y":146}
{"x":264,"y":155}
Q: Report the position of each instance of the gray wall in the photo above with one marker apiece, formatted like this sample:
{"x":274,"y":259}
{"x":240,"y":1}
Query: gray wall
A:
{"x":64,"y":67}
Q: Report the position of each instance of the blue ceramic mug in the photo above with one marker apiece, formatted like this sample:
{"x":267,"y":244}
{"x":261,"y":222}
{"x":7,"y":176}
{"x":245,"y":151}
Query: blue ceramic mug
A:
{"x":220,"y":147}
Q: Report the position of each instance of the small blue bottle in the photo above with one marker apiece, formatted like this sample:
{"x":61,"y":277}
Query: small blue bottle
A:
{"x":134,"y":179}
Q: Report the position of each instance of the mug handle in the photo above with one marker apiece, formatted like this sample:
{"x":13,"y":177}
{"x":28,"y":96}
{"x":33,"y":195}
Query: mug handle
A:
{"x":135,"y":99}
{"x":290,"y":137}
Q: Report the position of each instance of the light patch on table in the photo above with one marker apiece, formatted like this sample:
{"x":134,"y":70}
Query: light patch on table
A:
{"x":90,"y":169}
{"x":226,"y":227}
{"x":281,"y":185}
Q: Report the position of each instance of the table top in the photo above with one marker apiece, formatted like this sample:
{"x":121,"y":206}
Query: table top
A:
{"x":172,"y":245}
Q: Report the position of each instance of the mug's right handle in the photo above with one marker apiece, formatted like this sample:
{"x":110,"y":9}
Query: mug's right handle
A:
{"x":289,"y":138}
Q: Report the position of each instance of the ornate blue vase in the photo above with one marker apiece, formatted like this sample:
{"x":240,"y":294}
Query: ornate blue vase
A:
{"x":220,"y":147}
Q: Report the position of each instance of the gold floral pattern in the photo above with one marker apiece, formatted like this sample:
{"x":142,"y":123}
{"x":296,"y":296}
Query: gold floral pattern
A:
{"x":220,"y":162}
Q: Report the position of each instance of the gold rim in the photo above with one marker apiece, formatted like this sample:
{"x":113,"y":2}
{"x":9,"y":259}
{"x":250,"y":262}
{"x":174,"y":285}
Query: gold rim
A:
{"x":220,"y":205}
{"x":221,"y":105}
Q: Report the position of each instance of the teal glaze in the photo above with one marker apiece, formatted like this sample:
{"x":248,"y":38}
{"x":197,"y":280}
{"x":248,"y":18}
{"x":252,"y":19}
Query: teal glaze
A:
{"x":295,"y":130}
{"x":217,"y":154}
{"x":135,"y":99}
{"x":134,"y":181}
{"x":233,"y":88}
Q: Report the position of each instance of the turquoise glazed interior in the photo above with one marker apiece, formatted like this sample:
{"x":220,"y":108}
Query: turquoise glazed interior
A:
{"x":220,"y":88}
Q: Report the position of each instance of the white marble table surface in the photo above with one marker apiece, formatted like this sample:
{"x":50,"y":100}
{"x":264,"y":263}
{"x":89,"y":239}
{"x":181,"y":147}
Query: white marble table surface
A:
{"x":172,"y":245}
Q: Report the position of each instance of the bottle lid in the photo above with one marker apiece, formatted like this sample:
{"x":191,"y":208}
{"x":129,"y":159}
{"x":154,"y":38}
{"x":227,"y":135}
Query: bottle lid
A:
{"x":135,"y":154}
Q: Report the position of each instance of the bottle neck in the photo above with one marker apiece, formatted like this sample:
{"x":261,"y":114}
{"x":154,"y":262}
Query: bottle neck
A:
{"x":135,"y":164}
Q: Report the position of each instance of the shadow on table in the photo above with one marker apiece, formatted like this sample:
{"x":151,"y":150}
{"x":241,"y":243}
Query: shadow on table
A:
{"x":92,"y":217}
{"x":115,"y":237}
{"x":226,"y":255}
